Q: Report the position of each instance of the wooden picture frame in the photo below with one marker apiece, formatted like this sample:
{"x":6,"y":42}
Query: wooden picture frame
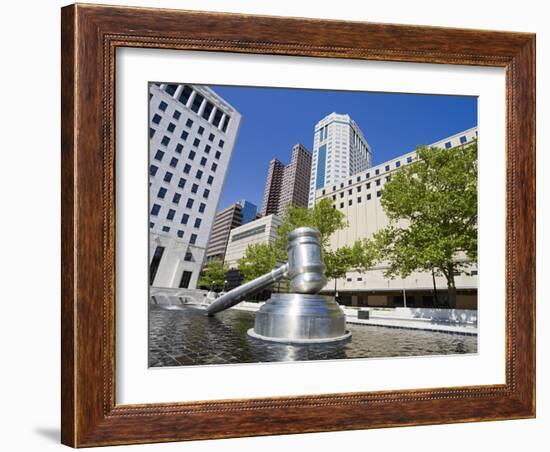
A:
{"x":90,"y":36}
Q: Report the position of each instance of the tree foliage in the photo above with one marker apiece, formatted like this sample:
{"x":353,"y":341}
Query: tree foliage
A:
{"x":258,"y":259}
{"x":213,"y":275}
{"x":432,"y":208}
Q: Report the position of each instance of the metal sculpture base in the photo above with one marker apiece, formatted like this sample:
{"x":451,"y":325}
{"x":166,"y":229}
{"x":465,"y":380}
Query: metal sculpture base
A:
{"x":300,"y":319}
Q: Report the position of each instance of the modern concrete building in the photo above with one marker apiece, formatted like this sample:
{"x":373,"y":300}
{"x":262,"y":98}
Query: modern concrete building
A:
{"x":339,"y":150}
{"x":191,"y":138}
{"x":287,"y":185}
{"x":225,"y":220}
{"x":358,"y":197}
{"x":263,"y":230}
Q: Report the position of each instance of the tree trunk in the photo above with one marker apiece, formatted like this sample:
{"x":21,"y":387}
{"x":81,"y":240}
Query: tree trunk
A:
{"x":451,"y":286}
{"x":436,"y":301}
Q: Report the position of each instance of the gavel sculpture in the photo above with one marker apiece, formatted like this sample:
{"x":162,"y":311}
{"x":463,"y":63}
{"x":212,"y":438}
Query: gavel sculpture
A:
{"x":301,"y":316}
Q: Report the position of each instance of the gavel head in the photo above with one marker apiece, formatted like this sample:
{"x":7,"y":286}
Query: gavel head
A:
{"x":306,"y":269}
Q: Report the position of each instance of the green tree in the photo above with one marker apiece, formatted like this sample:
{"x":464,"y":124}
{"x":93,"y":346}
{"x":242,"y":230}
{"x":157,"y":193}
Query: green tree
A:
{"x":213,"y":275}
{"x":260,"y":259}
{"x":432,"y":208}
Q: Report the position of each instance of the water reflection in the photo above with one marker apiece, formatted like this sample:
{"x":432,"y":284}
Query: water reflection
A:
{"x":187,"y":337}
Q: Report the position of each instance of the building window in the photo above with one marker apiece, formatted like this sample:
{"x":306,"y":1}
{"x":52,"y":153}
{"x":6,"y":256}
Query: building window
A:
{"x":171,"y":89}
{"x":155,"y":262}
{"x":341,"y":205}
{"x":171,"y":127}
{"x":341,"y":194}
{"x":170,"y":214}
{"x":359,"y":189}
{"x":210,"y":180}
{"x":377,"y":172}
{"x":217,"y":118}
{"x":221,"y":144}
{"x":397,"y":164}
{"x":185,"y":94}
{"x":350,"y":182}
{"x":184,"y":218}
{"x":409,"y":159}
{"x":207,"y":110}
{"x":187,"y":168}
{"x":189,"y":123}
{"x":368,"y":197}
{"x":199,"y":174}
{"x":463,"y":140}
{"x":225,"y":123}
{"x":151,"y":132}
{"x":163,"y":105}
{"x":194,"y":188}
{"x":202,"y":206}
{"x":176,"y":198}
{"x":153,"y":170}
{"x":387,"y":167}
{"x":192,"y":155}
{"x":378,"y":194}
{"x":350,"y":202}
{"x":176,"y":115}
{"x":334,"y":197}
{"x":197,"y":223}
{"x":350,"y":191}
{"x":218,"y":155}
{"x":157,"y":118}
{"x":168,"y":176}
{"x":200,"y":131}
{"x":197,"y":101}
{"x":214,"y":167}
{"x":165,"y":140}
{"x":211,"y":137}
{"x":207,"y":149}
{"x":159,"y":155}
{"x":334,"y":188}
{"x":203,"y":161}
{"x":181,"y":182}
{"x":155,"y":210}
{"x":342,"y":185}
{"x":185,"y":280}
{"x":151,"y":225}
{"x":196,"y":142}
{"x":188,"y":256}
{"x":359,"y":199}
{"x":367,"y":175}
{"x":190,"y":202}
{"x":179,"y":148}
{"x":377,"y":182}
{"x":184,"y":135}
{"x":193,"y":239}
{"x":162,"y":193}
{"x":180,"y":233}
{"x":173,"y":162}
{"x":388,"y":178}
{"x":323,"y":192}
{"x":206,"y":193}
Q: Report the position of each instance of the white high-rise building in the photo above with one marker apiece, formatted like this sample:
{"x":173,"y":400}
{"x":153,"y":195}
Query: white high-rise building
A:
{"x":339,"y":150}
{"x":192,"y":134}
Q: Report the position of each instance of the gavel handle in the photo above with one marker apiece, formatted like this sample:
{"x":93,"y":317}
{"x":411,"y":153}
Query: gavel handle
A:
{"x":239,"y":293}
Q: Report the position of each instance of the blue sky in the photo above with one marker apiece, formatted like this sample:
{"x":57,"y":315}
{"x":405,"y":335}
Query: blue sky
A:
{"x":274,"y":119}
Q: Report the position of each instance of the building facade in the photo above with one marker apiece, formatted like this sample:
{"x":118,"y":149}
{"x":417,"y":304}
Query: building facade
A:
{"x":249,"y":210}
{"x":191,"y":138}
{"x":262,"y":230}
{"x":287,"y":185}
{"x":295,"y":184}
{"x":359,"y":197}
{"x":225,"y":220}
{"x":339,"y":150}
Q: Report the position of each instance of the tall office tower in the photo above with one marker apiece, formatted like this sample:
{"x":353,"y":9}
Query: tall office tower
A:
{"x":192,"y":134}
{"x":272,"y":191}
{"x":295,"y":186}
{"x":226,"y":220}
{"x":287,"y":185}
{"x":250,"y":211}
{"x":339,"y":150}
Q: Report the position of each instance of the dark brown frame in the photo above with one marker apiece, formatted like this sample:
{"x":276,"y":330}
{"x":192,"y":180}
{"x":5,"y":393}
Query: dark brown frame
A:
{"x":90,"y":34}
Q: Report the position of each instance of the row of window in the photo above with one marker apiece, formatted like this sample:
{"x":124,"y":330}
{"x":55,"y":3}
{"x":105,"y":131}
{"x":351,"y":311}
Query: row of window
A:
{"x":359,"y":200}
{"x":155,"y":210}
{"x":179,"y":233}
{"x":195,"y":106}
{"x":153,"y":169}
{"x":358,"y":189}
{"x":159,"y":155}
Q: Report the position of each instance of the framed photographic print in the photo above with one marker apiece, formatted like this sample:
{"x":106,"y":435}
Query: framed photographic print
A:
{"x":282,"y":225}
